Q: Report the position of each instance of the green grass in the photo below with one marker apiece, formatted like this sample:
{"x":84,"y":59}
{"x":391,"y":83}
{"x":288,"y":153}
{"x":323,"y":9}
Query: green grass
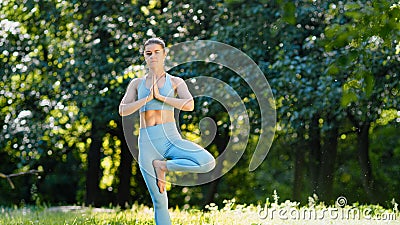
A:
{"x":232,"y":213}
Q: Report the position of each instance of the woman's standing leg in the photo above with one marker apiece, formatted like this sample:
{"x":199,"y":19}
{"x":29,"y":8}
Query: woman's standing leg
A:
{"x":147,"y":154}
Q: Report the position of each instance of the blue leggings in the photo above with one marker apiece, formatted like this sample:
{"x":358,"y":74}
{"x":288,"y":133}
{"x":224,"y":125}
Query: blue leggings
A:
{"x":163,"y":141}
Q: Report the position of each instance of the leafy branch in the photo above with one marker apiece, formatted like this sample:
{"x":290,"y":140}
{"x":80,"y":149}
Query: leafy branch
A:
{"x":8,"y":177}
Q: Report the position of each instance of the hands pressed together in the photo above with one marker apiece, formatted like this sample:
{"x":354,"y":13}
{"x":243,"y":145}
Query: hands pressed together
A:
{"x":183,"y":102}
{"x":154,"y":91}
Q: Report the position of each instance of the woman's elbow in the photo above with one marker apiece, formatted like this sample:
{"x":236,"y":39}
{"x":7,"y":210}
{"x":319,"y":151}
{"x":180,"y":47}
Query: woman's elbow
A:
{"x":121,"y":111}
{"x":189,"y":106}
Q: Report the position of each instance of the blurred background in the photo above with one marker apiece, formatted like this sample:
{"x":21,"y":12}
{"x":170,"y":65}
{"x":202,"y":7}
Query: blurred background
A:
{"x":333,"y":67}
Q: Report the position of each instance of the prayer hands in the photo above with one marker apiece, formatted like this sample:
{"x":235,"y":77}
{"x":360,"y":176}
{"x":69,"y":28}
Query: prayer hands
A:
{"x":155,"y":92}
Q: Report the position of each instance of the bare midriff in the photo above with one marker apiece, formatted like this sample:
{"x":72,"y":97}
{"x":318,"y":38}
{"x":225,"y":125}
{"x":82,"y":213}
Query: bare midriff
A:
{"x":155,"y":117}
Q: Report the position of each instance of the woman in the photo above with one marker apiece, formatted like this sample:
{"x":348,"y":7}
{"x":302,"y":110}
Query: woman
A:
{"x":161,"y":148}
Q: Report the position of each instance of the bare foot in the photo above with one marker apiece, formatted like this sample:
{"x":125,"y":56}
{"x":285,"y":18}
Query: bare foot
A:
{"x":160,"y":168}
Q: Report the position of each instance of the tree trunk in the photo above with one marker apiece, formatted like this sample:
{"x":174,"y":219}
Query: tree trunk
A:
{"x":315,"y":152}
{"x":93,"y":170}
{"x":298,"y":174}
{"x":125,"y":174}
{"x":365,"y":163}
{"x":327,"y":165}
{"x":212,"y":188}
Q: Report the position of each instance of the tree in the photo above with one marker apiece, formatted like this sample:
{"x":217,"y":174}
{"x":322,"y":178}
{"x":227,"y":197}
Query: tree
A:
{"x":368,"y":53}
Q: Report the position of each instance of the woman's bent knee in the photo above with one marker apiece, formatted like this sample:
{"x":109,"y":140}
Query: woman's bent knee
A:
{"x":209,"y":164}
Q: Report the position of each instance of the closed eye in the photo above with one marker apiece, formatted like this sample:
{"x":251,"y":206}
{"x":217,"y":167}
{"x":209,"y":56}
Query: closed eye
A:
{"x":149,"y":53}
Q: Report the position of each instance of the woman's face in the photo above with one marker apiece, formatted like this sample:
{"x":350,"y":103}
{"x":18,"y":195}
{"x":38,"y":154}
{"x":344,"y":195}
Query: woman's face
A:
{"x":154,"y":55}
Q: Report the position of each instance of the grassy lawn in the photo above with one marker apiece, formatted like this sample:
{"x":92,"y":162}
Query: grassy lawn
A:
{"x":231,"y":213}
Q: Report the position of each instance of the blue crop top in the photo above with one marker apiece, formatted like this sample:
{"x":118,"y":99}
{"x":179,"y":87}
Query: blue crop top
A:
{"x":166,"y":90}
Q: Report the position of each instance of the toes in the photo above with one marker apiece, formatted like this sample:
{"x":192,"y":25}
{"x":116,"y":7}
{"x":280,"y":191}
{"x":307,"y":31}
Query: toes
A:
{"x":160,"y":179}
{"x":161,"y":187}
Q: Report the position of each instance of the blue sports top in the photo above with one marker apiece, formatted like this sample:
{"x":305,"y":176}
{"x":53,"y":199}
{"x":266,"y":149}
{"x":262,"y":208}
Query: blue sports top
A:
{"x":166,"y":90}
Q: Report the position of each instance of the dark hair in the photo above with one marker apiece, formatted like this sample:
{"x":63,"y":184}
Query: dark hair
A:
{"x":155,"y":40}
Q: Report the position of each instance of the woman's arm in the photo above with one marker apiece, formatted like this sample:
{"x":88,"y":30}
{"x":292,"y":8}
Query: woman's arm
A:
{"x":129,"y":104}
{"x":184,"y":101}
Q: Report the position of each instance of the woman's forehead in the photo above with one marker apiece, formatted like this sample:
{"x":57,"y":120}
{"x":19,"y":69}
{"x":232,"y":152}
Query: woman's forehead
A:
{"x":153,"y":47}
